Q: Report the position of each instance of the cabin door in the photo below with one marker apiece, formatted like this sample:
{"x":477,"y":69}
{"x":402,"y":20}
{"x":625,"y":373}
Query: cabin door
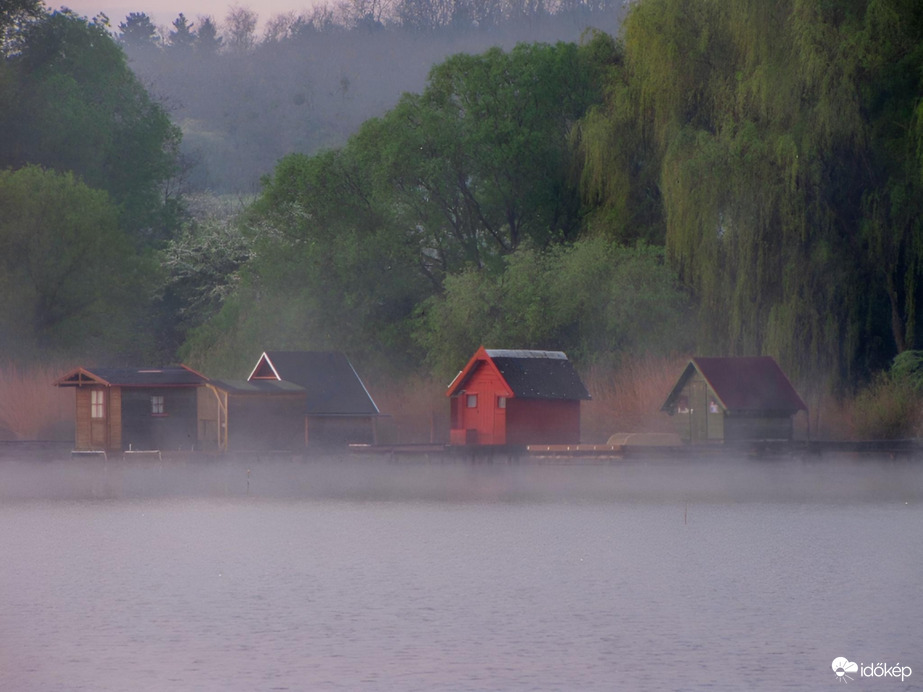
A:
{"x":98,"y":419}
{"x":481,"y":412}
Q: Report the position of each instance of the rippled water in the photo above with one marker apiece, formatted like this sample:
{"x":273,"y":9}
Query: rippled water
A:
{"x":427,"y":577}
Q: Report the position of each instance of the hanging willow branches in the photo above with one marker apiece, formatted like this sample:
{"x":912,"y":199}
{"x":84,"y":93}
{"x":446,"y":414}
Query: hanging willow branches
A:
{"x":786,"y":137}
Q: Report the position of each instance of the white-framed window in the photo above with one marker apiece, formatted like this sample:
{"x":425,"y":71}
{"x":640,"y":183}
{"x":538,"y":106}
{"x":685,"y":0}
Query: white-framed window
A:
{"x":97,"y":403}
{"x":157,"y":405}
{"x":501,"y":402}
{"x":472,"y":400}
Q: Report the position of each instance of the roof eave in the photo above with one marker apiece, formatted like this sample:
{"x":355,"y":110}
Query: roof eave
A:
{"x":678,"y":387}
{"x":64,"y":380}
{"x":364,"y":388}
{"x":461,"y":378}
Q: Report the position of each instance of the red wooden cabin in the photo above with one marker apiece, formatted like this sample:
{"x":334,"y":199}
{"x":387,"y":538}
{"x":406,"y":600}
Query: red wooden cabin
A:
{"x":514,"y":397}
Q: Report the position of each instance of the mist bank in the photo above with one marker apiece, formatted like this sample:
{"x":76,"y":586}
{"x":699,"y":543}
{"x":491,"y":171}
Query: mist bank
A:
{"x":832,"y":480}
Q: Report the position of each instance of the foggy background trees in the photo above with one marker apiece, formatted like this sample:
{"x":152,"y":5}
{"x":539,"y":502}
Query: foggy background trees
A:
{"x":300,"y":83}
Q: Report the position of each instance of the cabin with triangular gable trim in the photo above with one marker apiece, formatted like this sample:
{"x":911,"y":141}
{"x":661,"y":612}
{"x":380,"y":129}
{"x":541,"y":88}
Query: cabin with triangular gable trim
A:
{"x":338,"y":407}
{"x":293,"y":400}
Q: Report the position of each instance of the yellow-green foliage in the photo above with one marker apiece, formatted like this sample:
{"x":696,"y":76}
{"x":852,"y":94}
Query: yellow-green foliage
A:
{"x":593,"y":299}
{"x":886,"y":409}
{"x":786,"y":142}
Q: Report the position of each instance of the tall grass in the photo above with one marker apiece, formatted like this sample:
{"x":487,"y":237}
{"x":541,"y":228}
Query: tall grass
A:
{"x":415,"y":408}
{"x":31,"y":408}
{"x":628,"y":398}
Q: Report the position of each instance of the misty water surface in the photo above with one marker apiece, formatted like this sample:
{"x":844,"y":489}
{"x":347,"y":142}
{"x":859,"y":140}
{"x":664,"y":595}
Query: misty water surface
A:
{"x":370,"y":575}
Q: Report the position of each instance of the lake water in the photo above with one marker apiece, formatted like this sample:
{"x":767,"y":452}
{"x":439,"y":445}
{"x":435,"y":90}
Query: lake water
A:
{"x":276,"y":575}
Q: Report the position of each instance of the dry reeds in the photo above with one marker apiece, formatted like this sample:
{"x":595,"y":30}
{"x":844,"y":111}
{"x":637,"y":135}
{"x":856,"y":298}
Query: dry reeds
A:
{"x":31,"y":408}
{"x":628,"y":398}
{"x":830,"y":418}
{"x":416,"y":410}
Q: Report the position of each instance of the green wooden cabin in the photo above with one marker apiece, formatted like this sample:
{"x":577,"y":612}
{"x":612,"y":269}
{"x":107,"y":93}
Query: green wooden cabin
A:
{"x":738,"y":399}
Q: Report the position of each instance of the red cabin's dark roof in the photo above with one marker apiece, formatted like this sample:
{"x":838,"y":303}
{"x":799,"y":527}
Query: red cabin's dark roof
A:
{"x":529,"y":374}
{"x":171,"y":376}
{"x":332,"y":386}
{"x":743,"y":384}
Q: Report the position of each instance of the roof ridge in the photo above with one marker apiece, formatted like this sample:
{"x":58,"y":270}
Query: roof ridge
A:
{"x":524,"y":353}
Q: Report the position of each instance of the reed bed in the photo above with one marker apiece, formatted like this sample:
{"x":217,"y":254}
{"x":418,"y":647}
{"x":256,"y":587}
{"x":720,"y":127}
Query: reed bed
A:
{"x":31,"y":407}
{"x":628,"y":397}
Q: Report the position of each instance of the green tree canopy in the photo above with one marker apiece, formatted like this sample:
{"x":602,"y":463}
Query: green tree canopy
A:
{"x":328,"y":272}
{"x":76,"y":106}
{"x":479,"y":162}
{"x":70,"y":281}
{"x":208,"y":41}
{"x":14,"y":15}
{"x":594,"y":299}
{"x":348,"y":243}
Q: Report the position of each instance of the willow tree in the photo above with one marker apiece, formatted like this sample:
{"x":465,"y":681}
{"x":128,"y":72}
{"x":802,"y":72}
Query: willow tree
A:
{"x":784,"y":134}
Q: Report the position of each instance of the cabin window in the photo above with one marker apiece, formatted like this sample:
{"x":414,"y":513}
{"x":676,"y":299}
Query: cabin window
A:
{"x":712,"y":406}
{"x":97,"y":403}
{"x":682,"y":404}
{"x":501,"y":402}
{"x":472,"y":400}
{"x":157,"y":405}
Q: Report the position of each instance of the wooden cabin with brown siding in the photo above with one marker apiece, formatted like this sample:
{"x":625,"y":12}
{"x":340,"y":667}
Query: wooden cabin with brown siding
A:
{"x":118,"y":409}
{"x":516,"y":397}
{"x":733,"y":399}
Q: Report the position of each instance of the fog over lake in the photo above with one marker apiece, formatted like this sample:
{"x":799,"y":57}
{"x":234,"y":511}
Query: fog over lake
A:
{"x":368,"y":574}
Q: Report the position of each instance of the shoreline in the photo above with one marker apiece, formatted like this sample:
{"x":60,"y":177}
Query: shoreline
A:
{"x":807,"y":450}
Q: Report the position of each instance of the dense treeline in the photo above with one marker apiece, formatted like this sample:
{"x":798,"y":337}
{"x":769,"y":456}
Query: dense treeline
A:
{"x":772,"y":151}
{"x":454,"y":218}
{"x":728,"y":177}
